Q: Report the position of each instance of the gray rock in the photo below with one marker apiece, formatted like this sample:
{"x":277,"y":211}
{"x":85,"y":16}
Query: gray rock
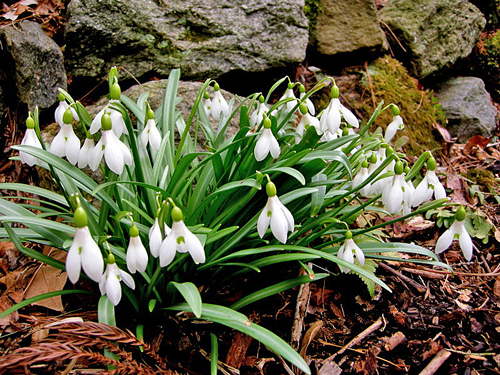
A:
{"x":468,"y":108}
{"x":36,"y":64}
{"x":205,"y":38}
{"x":347,"y":26}
{"x":434,"y":33}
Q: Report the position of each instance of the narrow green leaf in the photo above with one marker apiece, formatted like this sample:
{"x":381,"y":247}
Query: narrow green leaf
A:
{"x":192,"y":296}
{"x":106,"y":311}
{"x":214,"y":354}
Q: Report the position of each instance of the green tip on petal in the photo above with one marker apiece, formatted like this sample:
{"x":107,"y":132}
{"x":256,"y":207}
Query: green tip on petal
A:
{"x":206,"y":95}
{"x":290,"y":85}
{"x":460,"y":214}
{"x":267,"y":123}
{"x":134,"y":231}
{"x":399,"y":167}
{"x":80,"y":218}
{"x":106,"y":122}
{"x":373,"y":158}
{"x":389,"y":150}
{"x":303,"y":108}
{"x":302,"y":89}
{"x":176,"y":214}
{"x":150,"y":115}
{"x":271,"y":189}
{"x":364,"y":163}
{"x":431,"y":164}
{"x":111,"y":258}
{"x":395,"y":110}
{"x":216,"y":86}
{"x":345,"y":131}
{"x":30,"y":123}
{"x":115,"y":91}
{"x":67,"y":116}
{"x":261,"y":99}
{"x":348,"y":234}
{"x":335,"y":92}
{"x":61,"y":97}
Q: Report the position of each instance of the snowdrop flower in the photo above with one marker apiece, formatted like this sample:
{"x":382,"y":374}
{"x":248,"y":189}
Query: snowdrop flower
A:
{"x":307,"y":101}
{"x":395,"y":125}
{"x":266,"y":143}
{"x":207,"y":103}
{"x":361,"y":177}
{"x":306,"y":121}
{"x":66,"y":143}
{"x":348,"y":251}
{"x":151,"y":134}
{"x":117,"y":120}
{"x":61,"y":108}
{"x":180,"y":239}
{"x":84,"y":252}
{"x":137,"y":256}
{"x":30,"y":139}
{"x":258,"y":115}
{"x":457,"y":231}
{"x":110,"y":283}
{"x":289,"y":94}
{"x":115,"y":153}
{"x":396,"y":196}
{"x":331,"y":117}
{"x":156,"y":238}
{"x":219,"y":105}
{"x":275,"y":214}
{"x":429,"y":186}
{"x":86,"y":151}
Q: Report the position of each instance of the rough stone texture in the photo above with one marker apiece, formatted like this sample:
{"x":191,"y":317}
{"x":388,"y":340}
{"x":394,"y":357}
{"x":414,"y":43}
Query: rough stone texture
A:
{"x":205,"y":38}
{"x":347,"y":26}
{"x":34,"y":63}
{"x":468,"y":108}
{"x":434,"y":33}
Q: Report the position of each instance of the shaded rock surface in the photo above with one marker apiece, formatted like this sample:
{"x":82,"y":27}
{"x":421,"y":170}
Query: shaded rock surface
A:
{"x":203,"y":38}
{"x":468,"y":108}
{"x":347,"y":26}
{"x":33,"y":64}
{"x":433,"y":33}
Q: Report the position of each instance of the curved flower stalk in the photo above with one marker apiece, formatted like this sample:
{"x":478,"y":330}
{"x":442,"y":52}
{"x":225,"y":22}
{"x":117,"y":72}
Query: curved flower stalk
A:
{"x":306,"y":121}
{"x":137,"y":256}
{"x":117,"y":121}
{"x":348,"y":251}
{"x":30,"y":139}
{"x":180,"y":239}
{"x":267,"y":143}
{"x":457,"y":231}
{"x":331,"y":116}
{"x":219,"y":105}
{"x":429,"y":186}
{"x":66,"y":143}
{"x":397,"y":195}
{"x":110,"y":283}
{"x":84,"y":252}
{"x":156,"y":238}
{"x":258,"y":115}
{"x":395,"y":125}
{"x":150,"y":133}
{"x":275,"y":214}
{"x":115,"y":152}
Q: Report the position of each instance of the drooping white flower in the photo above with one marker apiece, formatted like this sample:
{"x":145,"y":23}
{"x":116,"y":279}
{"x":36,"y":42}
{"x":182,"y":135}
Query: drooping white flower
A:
{"x":393,"y":127}
{"x":66,"y":143}
{"x":289,"y":94}
{"x":30,"y":139}
{"x":397,"y":195}
{"x":110,"y":283}
{"x":219,"y":105}
{"x":137,"y":256}
{"x":61,"y":108}
{"x":305,"y":122}
{"x":115,"y":152}
{"x":258,"y":115}
{"x":457,"y":231}
{"x":85,"y":152}
{"x":267,"y":143}
{"x":429,"y":186}
{"x":150,"y":134}
{"x":275,"y":214}
{"x":156,"y":238}
{"x":348,"y":251}
{"x":117,"y":121}
{"x":181,"y":240}
{"x":361,"y":177}
{"x":84,"y":252}
{"x":307,"y":101}
{"x":206,"y":102}
{"x":331,"y":116}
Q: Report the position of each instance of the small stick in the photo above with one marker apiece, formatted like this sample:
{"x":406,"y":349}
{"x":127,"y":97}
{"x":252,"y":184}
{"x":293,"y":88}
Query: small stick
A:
{"x":300,"y":313}
{"x":436,"y":362}
{"x":413,"y":283}
{"x":394,"y":341}
{"x":424,"y":273}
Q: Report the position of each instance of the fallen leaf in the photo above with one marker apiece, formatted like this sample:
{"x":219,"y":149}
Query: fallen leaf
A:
{"x":476,"y":141}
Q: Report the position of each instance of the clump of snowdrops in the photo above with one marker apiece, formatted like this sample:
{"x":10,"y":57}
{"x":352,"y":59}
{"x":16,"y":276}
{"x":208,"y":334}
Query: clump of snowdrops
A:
{"x":284,"y":191}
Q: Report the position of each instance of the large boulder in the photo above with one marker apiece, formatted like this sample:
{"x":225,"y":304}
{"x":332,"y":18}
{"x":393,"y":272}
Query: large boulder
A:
{"x":468,"y":108}
{"x":205,"y":38}
{"x":347,"y":26}
{"x":432,"y":34}
{"x":33,"y":64}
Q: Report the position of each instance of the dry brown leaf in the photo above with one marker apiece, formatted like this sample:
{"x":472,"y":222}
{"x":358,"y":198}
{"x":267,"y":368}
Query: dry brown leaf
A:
{"x":309,"y":336}
{"x":48,"y":279}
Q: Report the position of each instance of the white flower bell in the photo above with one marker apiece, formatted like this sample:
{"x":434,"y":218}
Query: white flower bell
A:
{"x":275,"y":214}
{"x":457,"y":231}
{"x":137,"y":256}
{"x":305,"y":122}
{"x":84,"y":252}
{"x":429,"y":186}
{"x":30,"y":139}
{"x":219,"y":105}
{"x":307,"y":101}
{"x":110,"y":283}
{"x":267,"y":143}
{"x":396,"y":196}
{"x":395,"y":125}
{"x":180,"y":239}
{"x":331,"y":117}
{"x":86,"y":151}
{"x":156,"y":238}
{"x":61,"y":108}
{"x":258,"y":115}
{"x":117,"y":121}
{"x":348,"y":251}
{"x":150,"y":133}
{"x":66,"y":143}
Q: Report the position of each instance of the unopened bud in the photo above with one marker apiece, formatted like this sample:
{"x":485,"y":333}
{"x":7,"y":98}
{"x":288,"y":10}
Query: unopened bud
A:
{"x":30,"y":123}
{"x":395,"y":110}
{"x":134,"y":231}
{"x":80,"y":217}
{"x":460,"y":214}
{"x":115,"y":91}
{"x":271,"y":189}
{"x":176,"y":214}
{"x":399,"y":167}
{"x":335,"y":92}
{"x":67,"y":116}
{"x":267,"y":123}
{"x":106,"y":121}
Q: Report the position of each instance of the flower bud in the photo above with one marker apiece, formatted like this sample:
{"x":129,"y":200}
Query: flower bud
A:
{"x":134,"y":231}
{"x":348,"y":234}
{"x":395,"y":110}
{"x":364,"y":164}
{"x":460,"y":214}
{"x":431,"y":164}
{"x":267,"y":123}
{"x":216,"y":86}
{"x":176,"y":214}
{"x":290,"y":85}
{"x":303,"y":108}
{"x":302,"y":89}
{"x":111,"y":258}
{"x":206,"y":95}
{"x":335,"y":92}
{"x":106,"y":122}
{"x":150,"y":115}
{"x":67,"y":116}
{"x":80,"y":218}
{"x":271,"y":189}
{"x":345,"y":131}
{"x":261,"y":99}
{"x":373,"y":158}
{"x":115,"y":91}
{"x":398,"y":167}
{"x":61,"y":97}
{"x":30,"y":123}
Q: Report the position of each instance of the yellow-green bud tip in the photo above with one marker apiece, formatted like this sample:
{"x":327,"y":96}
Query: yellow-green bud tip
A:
{"x":290,"y":85}
{"x":106,"y":122}
{"x":395,"y":110}
{"x":460,"y":214}
{"x":303,"y":108}
{"x":134,"y":232}
{"x":111,"y":258}
{"x":150,"y":114}
{"x":373,"y":158}
{"x":61,"y":97}
{"x":302,"y":88}
{"x":216,"y":86}
{"x":261,"y":99}
{"x":348,"y":234}
{"x":176,"y":214}
{"x":267,"y":123}
{"x":67,"y":116}
{"x":80,"y":218}
{"x":335,"y":92}
{"x":431,"y":164}
{"x":364,"y":163}
{"x":271,"y":189}
{"x":206,"y":95}
{"x":399,"y":167}
{"x":115,"y":91}
{"x":30,"y":123}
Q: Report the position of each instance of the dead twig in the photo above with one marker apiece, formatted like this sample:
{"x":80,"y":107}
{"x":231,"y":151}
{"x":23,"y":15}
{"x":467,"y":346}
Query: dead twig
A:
{"x":420,"y":288}
{"x":436,"y":362}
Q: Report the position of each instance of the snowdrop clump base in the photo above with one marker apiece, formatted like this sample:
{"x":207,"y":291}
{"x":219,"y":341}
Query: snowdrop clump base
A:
{"x":177,"y":218}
